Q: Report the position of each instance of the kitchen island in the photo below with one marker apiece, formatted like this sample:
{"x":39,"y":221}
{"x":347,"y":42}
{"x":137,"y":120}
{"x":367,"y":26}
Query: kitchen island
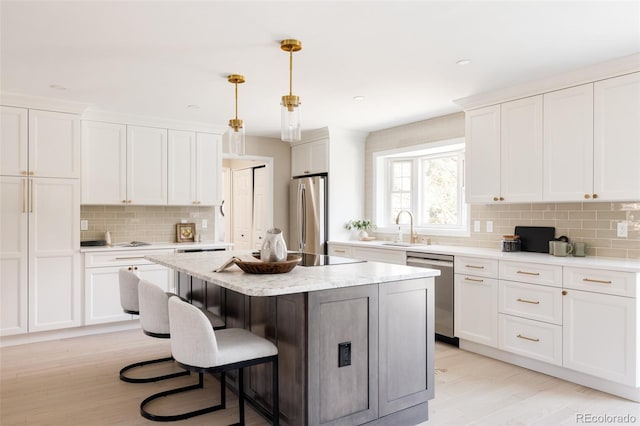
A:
{"x":355,"y":340}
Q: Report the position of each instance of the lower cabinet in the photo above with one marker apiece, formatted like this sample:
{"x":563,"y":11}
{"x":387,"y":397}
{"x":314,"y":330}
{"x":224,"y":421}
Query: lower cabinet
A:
{"x":372,"y":254}
{"x":101,"y":283}
{"x":476,"y":309}
{"x":599,"y":335}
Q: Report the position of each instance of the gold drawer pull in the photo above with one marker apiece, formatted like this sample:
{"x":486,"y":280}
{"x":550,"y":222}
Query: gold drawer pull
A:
{"x":528,"y":273}
{"x":532,"y":339}
{"x":473,"y":279}
{"x":533,"y":302}
{"x":589,"y":280}
{"x":474,"y":266}
{"x":339,"y":251}
{"x":129,"y":257}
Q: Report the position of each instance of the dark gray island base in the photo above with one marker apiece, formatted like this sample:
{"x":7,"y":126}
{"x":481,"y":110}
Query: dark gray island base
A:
{"x":352,"y":354}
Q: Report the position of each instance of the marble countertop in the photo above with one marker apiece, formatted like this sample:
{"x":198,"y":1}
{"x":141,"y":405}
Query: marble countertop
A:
{"x":623,"y":265}
{"x":300,"y":280}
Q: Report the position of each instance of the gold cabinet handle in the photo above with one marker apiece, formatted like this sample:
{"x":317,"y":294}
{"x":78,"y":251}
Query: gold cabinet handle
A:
{"x":124,"y":201}
{"x":528,"y":273}
{"x":31,"y":196}
{"x":24,"y":173}
{"x":501,"y":198}
{"x":589,"y":280}
{"x":533,"y":302}
{"x":474,"y":266}
{"x":24,"y":196}
{"x":564,"y":292}
{"x":532,"y":339}
{"x":339,"y":251}
{"x":32,"y":173}
{"x":495,"y":198}
{"x":587,"y":196}
{"x":473,"y":279}
{"x":128,"y":201}
{"x":129,"y":257}
{"x":595,"y":196}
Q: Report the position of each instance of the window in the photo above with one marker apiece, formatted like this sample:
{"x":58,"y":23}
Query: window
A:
{"x":426,"y":180}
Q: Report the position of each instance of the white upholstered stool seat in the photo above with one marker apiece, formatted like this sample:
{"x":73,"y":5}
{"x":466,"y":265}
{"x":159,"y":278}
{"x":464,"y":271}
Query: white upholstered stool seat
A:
{"x":197,"y":347}
{"x":130,"y":302}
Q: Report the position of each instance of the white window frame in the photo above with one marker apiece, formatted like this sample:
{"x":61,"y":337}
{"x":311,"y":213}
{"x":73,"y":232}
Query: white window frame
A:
{"x":381,"y":188}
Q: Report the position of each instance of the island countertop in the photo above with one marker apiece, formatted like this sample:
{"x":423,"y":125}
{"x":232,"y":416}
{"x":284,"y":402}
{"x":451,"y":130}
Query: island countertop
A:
{"x":300,"y":280}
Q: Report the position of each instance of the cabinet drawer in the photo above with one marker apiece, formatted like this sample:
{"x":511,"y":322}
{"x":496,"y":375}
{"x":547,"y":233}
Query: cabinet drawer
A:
{"x":380,"y":255}
{"x":533,"y":273}
{"x":120,"y":258}
{"x":342,"y":251}
{"x":602,"y":281}
{"x":530,"y":301}
{"x":476,"y":266}
{"x":533,"y":339}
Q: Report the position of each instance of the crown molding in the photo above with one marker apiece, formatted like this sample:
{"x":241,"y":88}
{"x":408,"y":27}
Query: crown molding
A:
{"x":37,"y":102}
{"x":616,"y":67}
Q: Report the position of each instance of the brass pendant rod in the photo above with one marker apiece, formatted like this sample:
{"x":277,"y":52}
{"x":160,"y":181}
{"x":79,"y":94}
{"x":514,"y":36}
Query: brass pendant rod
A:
{"x":236,"y":84}
{"x":290,"y":72}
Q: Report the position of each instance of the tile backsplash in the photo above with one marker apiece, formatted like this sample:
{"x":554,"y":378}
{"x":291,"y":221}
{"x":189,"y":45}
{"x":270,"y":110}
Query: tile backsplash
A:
{"x":594,"y":224}
{"x":144,"y":223}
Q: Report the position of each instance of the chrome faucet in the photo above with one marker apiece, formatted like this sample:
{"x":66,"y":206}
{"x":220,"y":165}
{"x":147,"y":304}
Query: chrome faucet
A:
{"x":413,"y":238}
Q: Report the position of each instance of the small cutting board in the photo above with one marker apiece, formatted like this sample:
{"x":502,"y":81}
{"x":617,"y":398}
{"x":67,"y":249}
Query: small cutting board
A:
{"x":536,"y":238}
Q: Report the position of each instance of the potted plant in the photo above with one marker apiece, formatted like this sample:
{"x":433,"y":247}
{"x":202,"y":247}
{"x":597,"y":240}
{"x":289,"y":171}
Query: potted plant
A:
{"x":361,"y":225}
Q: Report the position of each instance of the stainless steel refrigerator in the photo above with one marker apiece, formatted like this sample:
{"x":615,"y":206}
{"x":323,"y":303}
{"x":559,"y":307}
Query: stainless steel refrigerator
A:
{"x":308,"y":214}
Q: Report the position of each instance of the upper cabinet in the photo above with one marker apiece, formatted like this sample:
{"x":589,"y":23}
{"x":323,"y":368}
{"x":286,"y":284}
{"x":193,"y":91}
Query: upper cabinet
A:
{"x":573,"y":144}
{"x":504,"y":152}
{"x":40,"y":143}
{"x":616,"y":138}
{"x":137,"y":165}
{"x":310,"y":158}
{"x":194,"y":160}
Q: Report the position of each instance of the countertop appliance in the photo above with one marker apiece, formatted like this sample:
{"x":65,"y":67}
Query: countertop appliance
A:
{"x":312,"y":259}
{"x":308,"y":214}
{"x":535,"y":238}
{"x":443,"y":291}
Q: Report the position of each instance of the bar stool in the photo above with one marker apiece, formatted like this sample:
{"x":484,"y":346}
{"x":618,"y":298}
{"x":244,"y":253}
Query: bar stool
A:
{"x":197,"y":347}
{"x":129,"y":301}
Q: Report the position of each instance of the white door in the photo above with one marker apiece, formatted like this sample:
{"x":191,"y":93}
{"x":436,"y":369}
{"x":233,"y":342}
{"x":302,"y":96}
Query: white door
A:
{"x":102,"y":296}
{"x":13,"y":255}
{"x":476,"y":308}
{"x":242,"y":195}
{"x":146,"y":165}
{"x":599,"y":335}
{"x":104,"y":163}
{"x":226,"y":208}
{"x":160,"y":275}
{"x":482,"y":153}
{"x":14,"y":160}
{"x":182,"y":167}
{"x":54,"y":144}
{"x":521,"y":150}
{"x":260,"y":219}
{"x":568,"y":144}
{"x":54,"y":256}
{"x":617,"y":138}
{"x":208,"y":164}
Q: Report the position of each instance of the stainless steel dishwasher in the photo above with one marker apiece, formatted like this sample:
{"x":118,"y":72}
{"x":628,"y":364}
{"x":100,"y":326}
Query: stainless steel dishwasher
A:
{"x":443,"y":291}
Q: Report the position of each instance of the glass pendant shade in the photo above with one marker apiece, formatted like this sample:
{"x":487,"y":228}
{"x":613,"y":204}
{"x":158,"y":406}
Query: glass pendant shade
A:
{"x":235,"y":139}
{"x":291,"y":129}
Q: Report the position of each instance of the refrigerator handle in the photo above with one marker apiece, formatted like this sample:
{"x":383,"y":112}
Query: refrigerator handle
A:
{"x":302,"y":234}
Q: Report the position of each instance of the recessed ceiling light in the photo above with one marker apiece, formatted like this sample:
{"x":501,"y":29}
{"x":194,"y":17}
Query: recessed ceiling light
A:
{"x":464,"y":62}
{"x":358,"y":98}
{"x":57,"y":87}
{"x":193,"y":106}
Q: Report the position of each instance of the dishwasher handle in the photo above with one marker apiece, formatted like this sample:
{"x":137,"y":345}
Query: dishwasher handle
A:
{"x":425,"y":263}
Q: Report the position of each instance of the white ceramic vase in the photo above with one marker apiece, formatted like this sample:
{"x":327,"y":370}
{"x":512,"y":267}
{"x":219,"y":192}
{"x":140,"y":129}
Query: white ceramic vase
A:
{"x":274,"y":249}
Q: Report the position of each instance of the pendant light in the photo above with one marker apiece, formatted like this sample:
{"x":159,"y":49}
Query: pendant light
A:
{"x":290,"y":130}
{"x":235,"y":133}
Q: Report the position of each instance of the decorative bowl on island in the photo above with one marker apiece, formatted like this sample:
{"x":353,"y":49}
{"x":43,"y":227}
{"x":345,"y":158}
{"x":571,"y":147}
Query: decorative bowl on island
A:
{"x":260,"y":267}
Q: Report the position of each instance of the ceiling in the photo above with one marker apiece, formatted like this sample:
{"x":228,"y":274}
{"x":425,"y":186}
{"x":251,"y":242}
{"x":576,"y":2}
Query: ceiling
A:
{"x":156,"y":58}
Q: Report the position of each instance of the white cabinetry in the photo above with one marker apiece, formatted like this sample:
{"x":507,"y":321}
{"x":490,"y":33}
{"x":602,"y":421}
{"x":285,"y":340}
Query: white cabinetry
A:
{"x":40,"y":199}
{"x":600,"y":324}
{"x":476,"y":300}
{"x":530,"y":310}
{"x":123,"y":164}
{"x":194,"y":162}
{"x":512,"y":133}
{"x":373,"y":254}
{"x":568,"y":134}
{"x":310,"y":158}
{"x":616,"y":138}
{"x":101,"y":285}
{"x":40,"y":143}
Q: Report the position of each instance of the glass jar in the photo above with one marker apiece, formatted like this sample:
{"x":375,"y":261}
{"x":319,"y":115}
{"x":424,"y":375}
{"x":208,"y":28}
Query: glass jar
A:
{"x":510,"y":244}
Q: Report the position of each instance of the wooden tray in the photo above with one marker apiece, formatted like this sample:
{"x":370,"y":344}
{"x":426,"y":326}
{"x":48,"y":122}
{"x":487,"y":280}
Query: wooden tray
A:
{"x":259,"y":267}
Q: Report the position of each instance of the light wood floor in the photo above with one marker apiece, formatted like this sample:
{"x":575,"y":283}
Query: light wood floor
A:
{"x":75,"y":382}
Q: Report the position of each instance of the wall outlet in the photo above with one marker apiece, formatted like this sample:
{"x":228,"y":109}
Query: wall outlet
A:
{"x":622,"y":229}
{"x":205,"y":223}
{"x":476,"y":226}
{"x":84,"y":225}
{"x":489,"y":226}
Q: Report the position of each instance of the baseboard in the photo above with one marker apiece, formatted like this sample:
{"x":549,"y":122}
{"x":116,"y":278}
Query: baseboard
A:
{"x":44,"y":336}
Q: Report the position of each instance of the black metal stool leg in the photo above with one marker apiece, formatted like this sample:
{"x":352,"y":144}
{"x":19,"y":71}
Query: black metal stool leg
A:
{"x":241,"y":395}
{"x":129,"y":367}
{"x":276,"y":398}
